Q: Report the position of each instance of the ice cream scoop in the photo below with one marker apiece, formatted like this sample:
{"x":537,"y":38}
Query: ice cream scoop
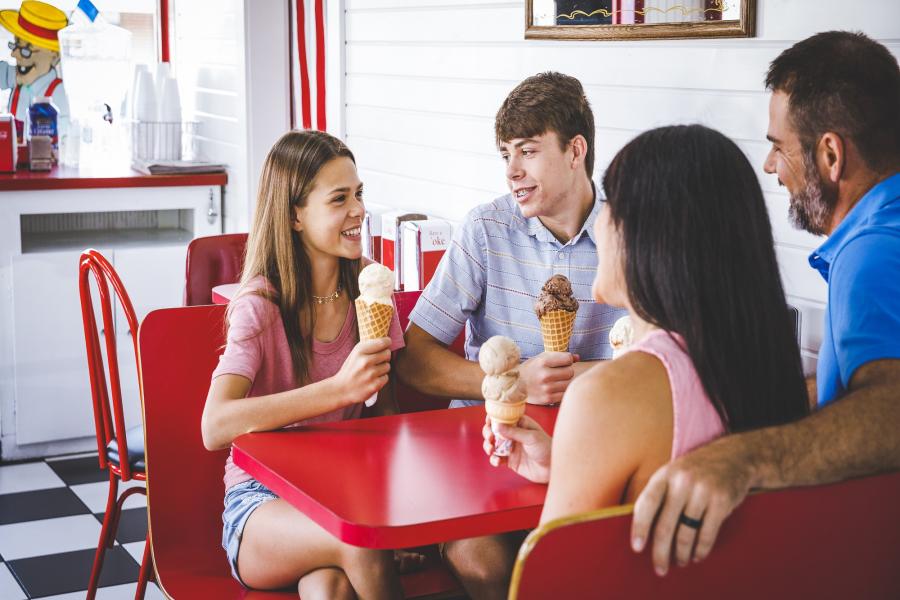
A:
{"x":376,"y":284}
{"x":556,"y":294}
{"x":621,"y":336}
{"x":498,"y":355}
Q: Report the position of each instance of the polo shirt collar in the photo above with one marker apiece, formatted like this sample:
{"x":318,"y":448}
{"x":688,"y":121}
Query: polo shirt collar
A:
{"x":871,"y":202}
{"x":539,"y":231}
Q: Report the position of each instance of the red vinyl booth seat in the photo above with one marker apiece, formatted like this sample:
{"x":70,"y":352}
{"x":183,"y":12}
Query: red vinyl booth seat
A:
{"x":408,"y":399}
{"x":179,"y":348}
{"x":211,"y":261}
{"x":833,"y":541}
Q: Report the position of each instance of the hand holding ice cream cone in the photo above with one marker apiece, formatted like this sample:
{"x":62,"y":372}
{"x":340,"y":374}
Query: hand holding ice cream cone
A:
{"x":504,"y":396}
{"x":375,"y":305}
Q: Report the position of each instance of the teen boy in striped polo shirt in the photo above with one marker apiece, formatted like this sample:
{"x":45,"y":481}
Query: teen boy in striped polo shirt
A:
{"x":494,"y":269}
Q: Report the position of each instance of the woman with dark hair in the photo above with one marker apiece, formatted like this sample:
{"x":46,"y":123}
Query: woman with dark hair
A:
{"x":685,"y":245}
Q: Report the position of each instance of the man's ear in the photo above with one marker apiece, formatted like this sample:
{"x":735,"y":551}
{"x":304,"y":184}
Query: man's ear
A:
{"x":55,"y":60}
{"x":831,"y":156}
{"x":579,"y":150}
{"x":296,"y":224}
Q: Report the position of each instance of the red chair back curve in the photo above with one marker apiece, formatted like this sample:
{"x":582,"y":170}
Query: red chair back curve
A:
{"x":109,"y":420}
{"x":834,"y":541}
{"x":211,"y":261}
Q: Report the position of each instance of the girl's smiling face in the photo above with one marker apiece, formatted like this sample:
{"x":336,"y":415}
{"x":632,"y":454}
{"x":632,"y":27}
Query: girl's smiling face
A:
{"x":330,"y":222}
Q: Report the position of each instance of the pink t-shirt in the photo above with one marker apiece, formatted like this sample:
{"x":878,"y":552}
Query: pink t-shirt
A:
{"x":696,"y":420}
{"x":257,"y":349}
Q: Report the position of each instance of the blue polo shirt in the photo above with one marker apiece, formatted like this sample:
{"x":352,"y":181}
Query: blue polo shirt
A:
{"x":861,"y":263}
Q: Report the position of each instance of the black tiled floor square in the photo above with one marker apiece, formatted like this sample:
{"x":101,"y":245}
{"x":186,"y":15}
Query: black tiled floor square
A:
{"x":70,"y":571}
{"x":40,"y":504}
{"x":79,"y":470}
{"x":132,"y":525}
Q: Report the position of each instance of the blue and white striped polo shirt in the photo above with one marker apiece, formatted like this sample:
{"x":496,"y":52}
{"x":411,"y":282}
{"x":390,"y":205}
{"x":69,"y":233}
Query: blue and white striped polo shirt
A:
{"x":492,"y":274}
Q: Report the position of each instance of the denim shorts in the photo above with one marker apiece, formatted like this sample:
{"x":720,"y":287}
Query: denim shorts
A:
{"x":240,"y":502}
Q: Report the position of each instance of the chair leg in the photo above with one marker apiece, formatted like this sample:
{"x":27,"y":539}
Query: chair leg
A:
{"x":109,"y":516}
{"x":146,"y":568}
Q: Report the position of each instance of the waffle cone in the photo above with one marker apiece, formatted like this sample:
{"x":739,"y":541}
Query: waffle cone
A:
{"x":507,"y":413}
{"x":556,"y":329}
{"x":374,"y":319}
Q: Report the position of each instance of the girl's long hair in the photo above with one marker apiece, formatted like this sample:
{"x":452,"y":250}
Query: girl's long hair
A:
{"x":275,"y":251}
{"x":700,"y":261}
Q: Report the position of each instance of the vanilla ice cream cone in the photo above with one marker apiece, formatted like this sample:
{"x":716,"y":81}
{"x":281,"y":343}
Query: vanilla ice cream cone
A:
{"x":374,"y":319}
{"x":507,"y":413}
{"x":556,"y":329}
{"x":374,"y":306}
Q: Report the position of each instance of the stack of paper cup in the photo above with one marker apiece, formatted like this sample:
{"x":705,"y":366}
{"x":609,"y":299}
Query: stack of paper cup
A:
{"x":169,"y":140}
{"x":145,"y":111}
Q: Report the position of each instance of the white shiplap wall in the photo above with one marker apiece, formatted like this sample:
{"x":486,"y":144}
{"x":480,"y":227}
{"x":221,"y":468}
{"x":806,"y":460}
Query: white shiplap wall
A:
{"x":424,"y":79}
{"x":231,"y":61}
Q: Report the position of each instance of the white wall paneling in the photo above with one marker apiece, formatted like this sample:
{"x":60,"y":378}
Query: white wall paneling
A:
{"x":424,"y":80}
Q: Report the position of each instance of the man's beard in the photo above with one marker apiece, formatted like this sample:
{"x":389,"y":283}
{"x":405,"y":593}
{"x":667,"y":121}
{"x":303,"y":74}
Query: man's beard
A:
{"x":812,"y":208}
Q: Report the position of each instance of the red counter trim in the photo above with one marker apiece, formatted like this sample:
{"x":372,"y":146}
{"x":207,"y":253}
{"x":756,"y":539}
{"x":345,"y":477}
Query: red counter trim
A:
{"x":68,"y":178}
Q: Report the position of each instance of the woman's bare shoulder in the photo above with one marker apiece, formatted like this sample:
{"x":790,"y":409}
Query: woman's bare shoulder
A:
{"x":636,"y":377}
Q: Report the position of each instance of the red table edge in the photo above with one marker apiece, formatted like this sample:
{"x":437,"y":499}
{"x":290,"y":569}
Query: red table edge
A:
{"x":391,"y":537}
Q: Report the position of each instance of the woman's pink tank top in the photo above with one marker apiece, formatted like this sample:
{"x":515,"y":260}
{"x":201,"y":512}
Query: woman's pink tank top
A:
{"x":696,"y":420}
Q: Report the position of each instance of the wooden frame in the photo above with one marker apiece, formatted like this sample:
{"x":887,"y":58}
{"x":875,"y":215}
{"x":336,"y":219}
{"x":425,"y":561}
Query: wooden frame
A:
{"x":744,"y":27}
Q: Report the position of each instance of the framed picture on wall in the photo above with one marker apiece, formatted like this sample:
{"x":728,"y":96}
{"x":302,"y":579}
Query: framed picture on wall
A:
{"x":638,"y":19}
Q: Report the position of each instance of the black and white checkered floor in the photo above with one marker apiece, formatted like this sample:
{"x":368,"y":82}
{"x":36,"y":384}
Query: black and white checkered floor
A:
{"x":50,"y":516}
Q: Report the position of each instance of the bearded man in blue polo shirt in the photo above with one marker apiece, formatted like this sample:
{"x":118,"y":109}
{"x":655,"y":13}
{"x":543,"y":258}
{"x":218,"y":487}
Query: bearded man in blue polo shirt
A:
{"x":834,"y":125}
{"x":493,"y":271}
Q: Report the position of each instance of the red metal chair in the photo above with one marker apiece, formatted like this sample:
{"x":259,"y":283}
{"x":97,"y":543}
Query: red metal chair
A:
{"x":109,"y":419}
{"x":211,"y":261}
{"x":834,"y":541}
{"x":408,"y":399}
{"x":179,"y":348}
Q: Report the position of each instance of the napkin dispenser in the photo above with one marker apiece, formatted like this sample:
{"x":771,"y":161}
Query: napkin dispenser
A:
{"x":8,"y":144}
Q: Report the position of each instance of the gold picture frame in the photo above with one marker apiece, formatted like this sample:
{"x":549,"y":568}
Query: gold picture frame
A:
{"x":744,"y":26}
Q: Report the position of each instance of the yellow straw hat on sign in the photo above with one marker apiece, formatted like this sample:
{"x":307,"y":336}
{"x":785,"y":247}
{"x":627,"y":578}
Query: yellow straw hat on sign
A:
{"x":35,"y":22}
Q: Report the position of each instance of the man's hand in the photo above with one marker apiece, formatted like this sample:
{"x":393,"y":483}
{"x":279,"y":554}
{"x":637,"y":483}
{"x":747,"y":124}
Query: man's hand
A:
{"x":706,"y":485}
{"x":547,"y":375}
{"x":530,"y":454}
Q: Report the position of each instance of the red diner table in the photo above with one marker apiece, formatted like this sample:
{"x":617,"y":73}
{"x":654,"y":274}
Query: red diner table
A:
{"x":398,"y":481}
{"x":221,"y":294}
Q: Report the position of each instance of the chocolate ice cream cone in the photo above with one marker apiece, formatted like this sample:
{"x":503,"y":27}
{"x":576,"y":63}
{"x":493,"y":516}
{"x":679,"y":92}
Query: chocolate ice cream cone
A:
{"x":556,"y":329}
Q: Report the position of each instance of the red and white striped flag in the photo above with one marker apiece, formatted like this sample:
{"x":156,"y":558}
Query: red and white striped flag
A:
{"x":308,"y":64}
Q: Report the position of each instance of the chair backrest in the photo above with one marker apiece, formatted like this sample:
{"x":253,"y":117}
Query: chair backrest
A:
{"x":409,"y":400}
{"x":179,"y":348}
{"x":106,"y":394}
{"x":211,"y":261}
{"x":835,"y":541}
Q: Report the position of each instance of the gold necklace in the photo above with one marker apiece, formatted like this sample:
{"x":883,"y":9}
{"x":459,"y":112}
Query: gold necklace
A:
{"x":330,"y":297}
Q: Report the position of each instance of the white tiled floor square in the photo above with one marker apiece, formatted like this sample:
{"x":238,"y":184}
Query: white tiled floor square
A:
{"x":27,"y":477}
{"x":37,"y":538}
{"x":136,"y":550}
{"x":115,"y":592}
{"x":94,"y":495}
{"x":9,"y":589}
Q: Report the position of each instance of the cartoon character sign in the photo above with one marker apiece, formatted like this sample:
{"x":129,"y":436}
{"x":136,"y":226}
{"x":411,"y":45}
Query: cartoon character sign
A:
{"x":36,"y":51}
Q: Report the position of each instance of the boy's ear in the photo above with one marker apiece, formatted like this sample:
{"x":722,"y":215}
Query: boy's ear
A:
{"x":579,"y":150}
